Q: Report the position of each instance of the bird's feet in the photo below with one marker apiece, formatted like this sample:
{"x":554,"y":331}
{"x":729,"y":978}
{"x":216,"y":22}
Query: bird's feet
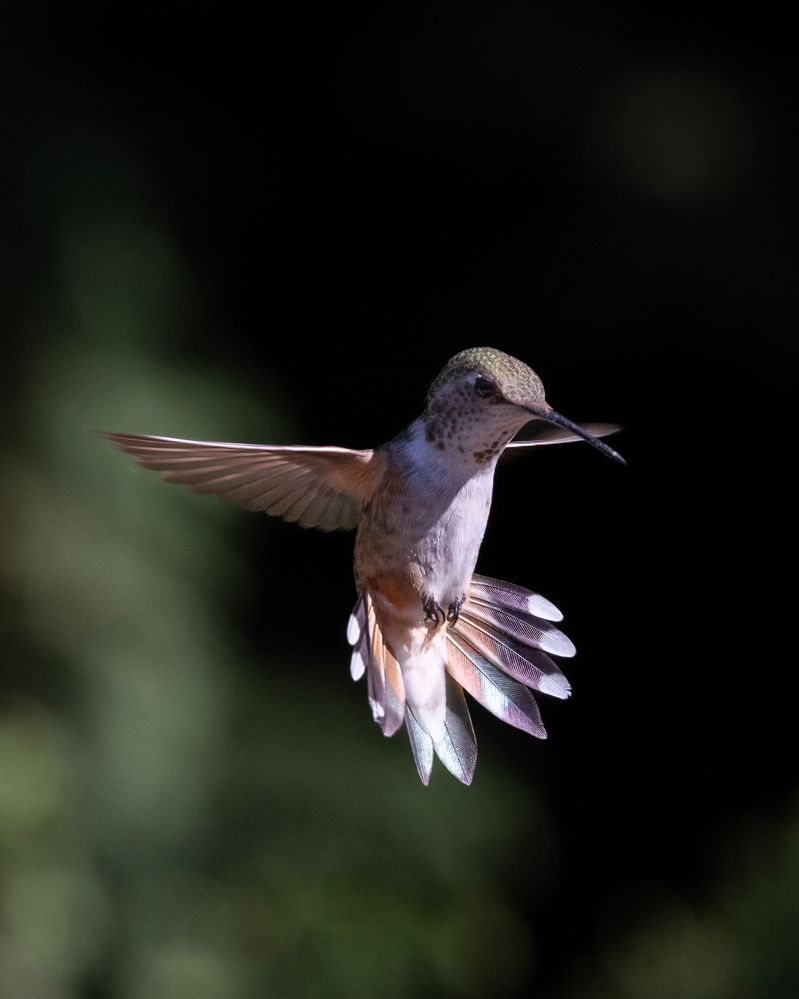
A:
{"x":435,"y":613}
{"x":454,"y":610}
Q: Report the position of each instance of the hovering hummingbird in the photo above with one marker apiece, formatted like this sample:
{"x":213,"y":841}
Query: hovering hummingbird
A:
{"x":425,"y":626}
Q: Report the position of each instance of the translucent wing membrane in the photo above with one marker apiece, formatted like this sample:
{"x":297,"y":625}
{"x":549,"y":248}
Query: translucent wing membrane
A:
{"x":539,"y":432}
{"x":322,"y":487}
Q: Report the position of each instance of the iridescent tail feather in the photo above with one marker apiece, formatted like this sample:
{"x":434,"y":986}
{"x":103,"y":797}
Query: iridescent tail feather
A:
{"x":498,"y":651}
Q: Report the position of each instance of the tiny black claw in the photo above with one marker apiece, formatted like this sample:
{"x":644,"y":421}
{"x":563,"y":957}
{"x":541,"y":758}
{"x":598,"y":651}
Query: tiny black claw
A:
{"x":454,"y":611}
{"x":433,"y":611}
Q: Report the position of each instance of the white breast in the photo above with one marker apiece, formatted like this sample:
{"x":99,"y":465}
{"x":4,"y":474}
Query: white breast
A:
{"x":453,"y":498}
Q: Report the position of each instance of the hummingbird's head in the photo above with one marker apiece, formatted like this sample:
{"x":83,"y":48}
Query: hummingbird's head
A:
{"x":484,"y":396}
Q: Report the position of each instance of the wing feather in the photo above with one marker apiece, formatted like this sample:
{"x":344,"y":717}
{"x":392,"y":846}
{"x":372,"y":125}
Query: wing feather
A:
{"x":547,"y":433}
{"x":323,"y":510}
{"x":323,"y":487}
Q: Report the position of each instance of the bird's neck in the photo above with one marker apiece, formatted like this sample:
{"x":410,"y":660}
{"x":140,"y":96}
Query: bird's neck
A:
{"x":452,"y":452}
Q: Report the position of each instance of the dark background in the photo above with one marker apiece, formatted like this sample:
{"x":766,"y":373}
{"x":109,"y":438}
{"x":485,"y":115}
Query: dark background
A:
{"x":280,"y":232}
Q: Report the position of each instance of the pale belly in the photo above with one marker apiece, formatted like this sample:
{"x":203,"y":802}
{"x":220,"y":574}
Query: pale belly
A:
{"x":412,"y":545}
{"x":415,"y":553}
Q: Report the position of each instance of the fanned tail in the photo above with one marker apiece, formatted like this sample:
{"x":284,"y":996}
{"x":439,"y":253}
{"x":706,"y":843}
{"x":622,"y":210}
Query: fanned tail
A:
{"x":501,"y":647}
{"x":499,"y":650}
{"x":457,"y":746}
{"x":370,"y":655}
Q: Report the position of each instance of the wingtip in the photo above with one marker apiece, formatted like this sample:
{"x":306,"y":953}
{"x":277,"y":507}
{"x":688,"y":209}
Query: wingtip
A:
{"x":109,"y":435}
{"x":114,"y":436}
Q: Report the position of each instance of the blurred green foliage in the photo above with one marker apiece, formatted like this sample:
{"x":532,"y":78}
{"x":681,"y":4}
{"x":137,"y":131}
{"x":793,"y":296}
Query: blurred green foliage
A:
{"x":736,"y":943}
{"x":180,"y":822}
{"x":171,"y":824}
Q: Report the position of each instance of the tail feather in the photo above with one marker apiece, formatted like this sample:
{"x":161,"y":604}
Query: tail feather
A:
{"x":500,"y":646}
{"x":503,"y":696}
{"x":376,"y":667}
{"x":424,"y":666}
{"x":395,"y":695}
{"x":421,"y":747}
{"x":457,"y":750}
{"x":356,"y":636}
{"x":527,"y":628}
{"x":371,"y":656}
{"x":532,"y":667}
{"x":510,"y":596}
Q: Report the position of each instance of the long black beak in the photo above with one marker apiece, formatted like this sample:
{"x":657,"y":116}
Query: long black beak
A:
{"x":545,"y":413}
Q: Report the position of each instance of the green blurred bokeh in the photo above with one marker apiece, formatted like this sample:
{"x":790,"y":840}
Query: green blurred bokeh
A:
{"x":178,"y":821}
{"x":172,"y":825}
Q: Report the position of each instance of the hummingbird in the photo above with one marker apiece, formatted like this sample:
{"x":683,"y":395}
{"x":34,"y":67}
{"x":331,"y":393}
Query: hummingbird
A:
{"x":425,"y":627}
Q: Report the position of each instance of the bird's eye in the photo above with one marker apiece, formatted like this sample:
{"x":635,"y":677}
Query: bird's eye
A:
{"x":484,"y":388}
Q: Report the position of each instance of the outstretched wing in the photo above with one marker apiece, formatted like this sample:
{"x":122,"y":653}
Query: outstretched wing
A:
{"x":548,"y":433}
{"x":322,"y":487}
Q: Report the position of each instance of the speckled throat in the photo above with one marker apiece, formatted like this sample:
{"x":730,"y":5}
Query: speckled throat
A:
{"x":470,"y":431}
